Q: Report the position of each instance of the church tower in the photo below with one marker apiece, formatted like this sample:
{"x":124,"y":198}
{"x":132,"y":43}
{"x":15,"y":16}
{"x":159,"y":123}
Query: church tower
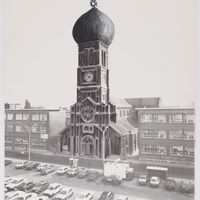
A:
{"x":92,"y":114}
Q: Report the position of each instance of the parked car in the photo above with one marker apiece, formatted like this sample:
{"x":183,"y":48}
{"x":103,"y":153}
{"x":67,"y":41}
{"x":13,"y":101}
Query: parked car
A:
{"x":186,"y":187}
{"x":73,"y":171}
{"x":25,"y":196}
{"x":107,"y":196}
{"x":41,"y":198}
{"x":40,"y":187}
{"x":25,"y":186}
{"x":17,"y":181}
{"x":155,"y":181}
{"x":83,"y":173}
{"x":92,"y":175}
{"x":86,"y":195}
{"x":62,"y":170}
{"x":11,"y":195}
{"x":64,"y":194}
{"x":113,"y":180}
{"x":170,"y":184}
{"x":53,"y":189}
{"x":7,"y":162}
{"x":142,"y":180}
{"x":21,"y":165}
{"x":31,"y":165}
{"x":121,"y":197}
{"x":41,"y":166}
{"x":8,"y":180}
{"x":47,"y":170}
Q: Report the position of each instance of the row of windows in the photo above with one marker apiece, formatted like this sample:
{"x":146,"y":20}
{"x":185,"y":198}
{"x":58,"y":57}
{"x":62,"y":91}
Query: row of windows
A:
{"x":34,"y":117}
{"x":174,"y":150}
{"x":173,"y":134}
{"x":25,"y":141}
{"x":34,"y":129}
{"x":175,"y":118}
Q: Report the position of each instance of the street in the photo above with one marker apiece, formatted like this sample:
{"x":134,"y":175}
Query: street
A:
{"x":129,"y":188}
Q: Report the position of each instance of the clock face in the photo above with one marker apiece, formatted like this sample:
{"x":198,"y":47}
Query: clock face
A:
{"x":88,"y":76}
{"x":87,"y":114}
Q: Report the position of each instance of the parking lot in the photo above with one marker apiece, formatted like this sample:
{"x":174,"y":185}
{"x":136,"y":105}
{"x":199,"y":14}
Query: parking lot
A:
{"x":128,"y":188}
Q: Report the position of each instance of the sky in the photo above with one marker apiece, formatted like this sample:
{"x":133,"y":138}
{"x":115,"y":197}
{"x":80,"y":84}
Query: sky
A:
{"x":153,"y":53}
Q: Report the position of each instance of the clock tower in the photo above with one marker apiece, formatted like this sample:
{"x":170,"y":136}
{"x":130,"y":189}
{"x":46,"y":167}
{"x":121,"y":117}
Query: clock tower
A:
{"x":92,"y":113}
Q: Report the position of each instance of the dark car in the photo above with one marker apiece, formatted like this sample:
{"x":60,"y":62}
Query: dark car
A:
{"x":31,"y":165}
{"x":25,"y":186}
{"x":142,"y":180}
{"x":170,"y":184}
{"x":8,"y":162}
{"x":92,"y":176}
{"x":40,"y":187}
{"x":83,"y":173}
{"x":130,"y":173}
{"x":107,"y":196}
{"x":113,"y":180}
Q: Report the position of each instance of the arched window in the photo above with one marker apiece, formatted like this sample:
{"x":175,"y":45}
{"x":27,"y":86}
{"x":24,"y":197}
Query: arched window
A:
{"x":91,"y":57}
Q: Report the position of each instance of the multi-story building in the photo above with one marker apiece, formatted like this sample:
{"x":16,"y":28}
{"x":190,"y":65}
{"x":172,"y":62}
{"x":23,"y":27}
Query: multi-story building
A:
{"x":40,"y":125}
{"x":166,"y":133}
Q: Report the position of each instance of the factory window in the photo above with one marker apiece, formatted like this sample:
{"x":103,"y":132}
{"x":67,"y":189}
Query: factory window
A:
{"x":9,"y":128}
{"x":25,"y":116}
{"x":18,"y":116}
{"x":9,"y":116}
{"x":189,"y":118}
{"x":35,"y":142}
{"x":154,"y":134}
{"x":8,"y":140}
{"x":43,"y":129}
{"x":35,"y":129}
{"x":177,"y":135}
{"x":159,"y":118}
{"x":189,"y":151}
{"x":189,"y":135}
{"x":177,"y":118}
{"x":43,"y":117}
{"x":146,"y":118}
{"x":35,"y":117}
{"x":176,"y":150}
{"x":160,"y":150}
{"x":18,"y":129}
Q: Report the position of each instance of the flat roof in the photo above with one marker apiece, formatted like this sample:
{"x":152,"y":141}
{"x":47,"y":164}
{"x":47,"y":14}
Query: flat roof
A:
{"x":157,"y":168}
{"x":167,"y":108}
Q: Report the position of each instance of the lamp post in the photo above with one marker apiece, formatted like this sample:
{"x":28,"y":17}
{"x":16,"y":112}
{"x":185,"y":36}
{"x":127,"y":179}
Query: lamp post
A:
{"x":29,"y":140}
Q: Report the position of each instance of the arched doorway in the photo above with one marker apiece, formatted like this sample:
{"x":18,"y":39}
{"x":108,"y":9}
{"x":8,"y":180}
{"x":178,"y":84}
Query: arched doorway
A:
{"x":88,"y":145}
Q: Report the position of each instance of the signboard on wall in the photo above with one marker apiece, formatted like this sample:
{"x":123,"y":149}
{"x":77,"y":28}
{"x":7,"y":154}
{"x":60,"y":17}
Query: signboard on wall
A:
{"x":44,"y":136}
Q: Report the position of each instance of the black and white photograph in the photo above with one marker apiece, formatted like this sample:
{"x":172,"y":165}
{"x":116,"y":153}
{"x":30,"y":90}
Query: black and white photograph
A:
{"x":99,"y":99}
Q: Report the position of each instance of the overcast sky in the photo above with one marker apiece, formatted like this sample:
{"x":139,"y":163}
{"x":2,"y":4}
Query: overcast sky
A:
{"x":152,"y":54}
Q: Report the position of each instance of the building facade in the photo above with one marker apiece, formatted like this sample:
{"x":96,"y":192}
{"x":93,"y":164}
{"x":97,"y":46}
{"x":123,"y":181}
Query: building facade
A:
{"x":34,"y":124}
{"x":166,"y":133}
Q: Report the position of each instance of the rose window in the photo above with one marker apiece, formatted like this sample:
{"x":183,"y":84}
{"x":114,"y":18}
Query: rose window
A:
{"x":87,"y":114}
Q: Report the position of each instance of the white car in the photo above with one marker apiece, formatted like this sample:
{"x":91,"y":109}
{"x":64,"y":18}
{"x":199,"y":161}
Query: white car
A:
{"x":62,"y":170}
{"x":16,"y":182}
{"x":64,"y":194}
{"x":8,"y":180}
{"x":86,"y":195}
{"x":41,"y":198}
{"x":122,"y":197}
{"x":155,"y":181}
{"x":21,"y":165}
{"x":42,"y":166}
{"x":25,"y":196}
{"x":11,"y":195}
{"x":53,"y":189}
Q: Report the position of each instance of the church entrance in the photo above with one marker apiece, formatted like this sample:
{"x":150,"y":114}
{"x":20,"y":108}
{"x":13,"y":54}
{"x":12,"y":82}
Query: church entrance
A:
{"x":88,"y":146}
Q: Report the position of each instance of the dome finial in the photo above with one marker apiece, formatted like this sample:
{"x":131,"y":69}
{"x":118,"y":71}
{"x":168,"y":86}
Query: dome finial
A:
{"x":93,"y":3}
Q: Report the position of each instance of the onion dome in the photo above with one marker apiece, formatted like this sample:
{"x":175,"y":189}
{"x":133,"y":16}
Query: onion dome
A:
{"x":94,"y":25}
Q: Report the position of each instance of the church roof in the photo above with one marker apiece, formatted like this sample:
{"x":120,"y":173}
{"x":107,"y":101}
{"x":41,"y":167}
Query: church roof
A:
{"x":119,"y":102}
{"x":94,"y":25}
